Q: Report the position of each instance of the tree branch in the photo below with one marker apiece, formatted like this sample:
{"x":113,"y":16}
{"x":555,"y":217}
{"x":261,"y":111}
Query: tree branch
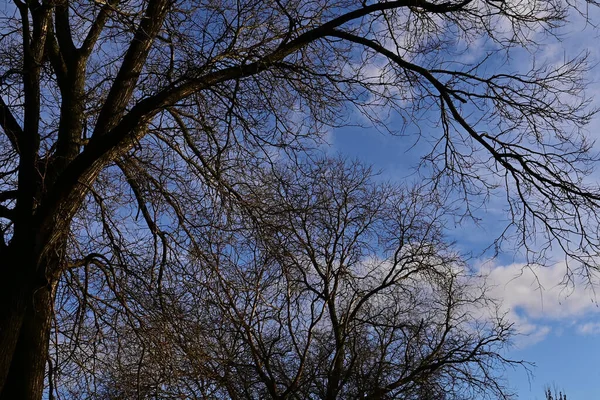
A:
{"x":10,"y":126}
{"x":96,"y":28}
{"x":124,"y":84}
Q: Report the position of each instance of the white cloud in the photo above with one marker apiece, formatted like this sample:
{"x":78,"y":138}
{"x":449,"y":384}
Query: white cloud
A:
{"x":530,"y":334}
{"x":534,"y":298}
{"x":589,"y":328}
{"x":541,"y":292}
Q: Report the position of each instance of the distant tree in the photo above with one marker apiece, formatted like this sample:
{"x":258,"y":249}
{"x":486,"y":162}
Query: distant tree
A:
{"x":552,"y":395}
{"x":119,"y":119}
{"x":338,"y":288}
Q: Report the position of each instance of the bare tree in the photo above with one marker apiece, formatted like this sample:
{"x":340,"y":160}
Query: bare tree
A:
{"x":550,"y":395}
{"x":119,"y":119}
{"x":337,"y":288}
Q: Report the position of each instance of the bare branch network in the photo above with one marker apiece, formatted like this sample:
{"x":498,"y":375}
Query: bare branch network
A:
{"x":168,"y":228}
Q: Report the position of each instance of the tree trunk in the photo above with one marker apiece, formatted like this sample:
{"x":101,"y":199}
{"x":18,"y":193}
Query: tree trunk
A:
{"x":12,"y":313}
{"x":25,"y":322}
{"x":26,"y":374}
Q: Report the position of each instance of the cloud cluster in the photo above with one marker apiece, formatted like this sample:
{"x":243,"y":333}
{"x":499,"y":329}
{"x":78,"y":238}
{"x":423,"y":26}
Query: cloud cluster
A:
{"x":540,"y":300}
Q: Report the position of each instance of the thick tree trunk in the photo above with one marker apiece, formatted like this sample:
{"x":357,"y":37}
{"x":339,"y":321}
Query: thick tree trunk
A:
{"x":12,"y":314}
{"x":25,"y":378}
{"x":25,"y":321}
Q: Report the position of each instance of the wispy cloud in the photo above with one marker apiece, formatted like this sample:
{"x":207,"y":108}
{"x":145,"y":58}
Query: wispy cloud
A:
{"x":590,"y":328}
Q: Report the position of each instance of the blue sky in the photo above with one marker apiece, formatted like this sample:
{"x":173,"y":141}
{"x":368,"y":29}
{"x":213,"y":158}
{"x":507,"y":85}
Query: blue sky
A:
{"x":558,"y":325}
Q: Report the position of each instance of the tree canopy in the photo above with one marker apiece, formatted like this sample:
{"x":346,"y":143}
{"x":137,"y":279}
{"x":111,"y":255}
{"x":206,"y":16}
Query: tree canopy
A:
{"x":141,"y":138}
